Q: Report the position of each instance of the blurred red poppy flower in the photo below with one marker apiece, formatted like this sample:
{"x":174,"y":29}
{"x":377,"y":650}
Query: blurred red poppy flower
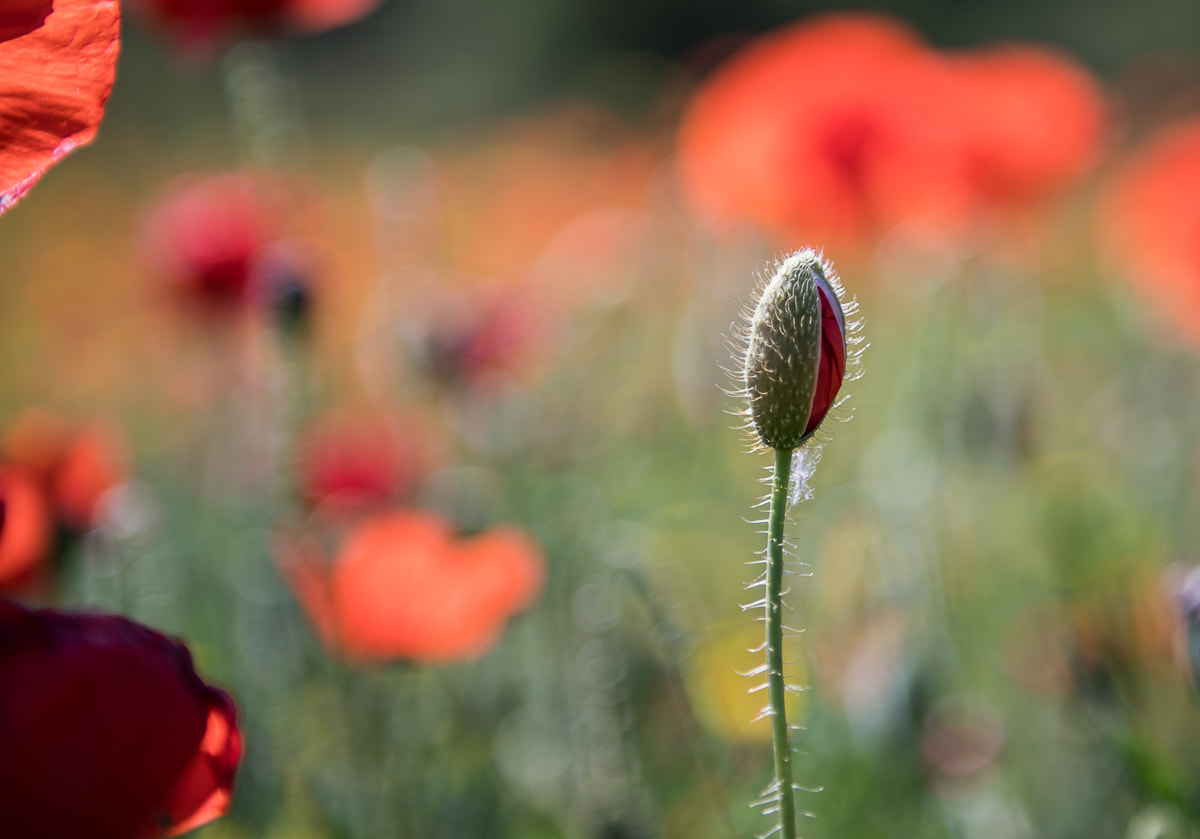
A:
{"x":355,"y":463}
{"x":25,"y":537}
{"x":211,"y":238}
{"x":57,"y":61}
{"x":403,"y":586}
{"x":1150,"y":223}
{"x":198,"y":24}
{"x":74,"y":466}
{"x":1035,"y":121}
{"x":825,"y":130}
{"x":843,"y":126}
{"x":106,"y":731}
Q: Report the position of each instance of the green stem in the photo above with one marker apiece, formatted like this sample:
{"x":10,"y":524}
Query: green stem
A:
{"x":776,"y":689}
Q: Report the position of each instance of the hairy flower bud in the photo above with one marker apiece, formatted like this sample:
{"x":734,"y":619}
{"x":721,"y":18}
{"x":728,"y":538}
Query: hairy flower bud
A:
{"x":796,"y":354}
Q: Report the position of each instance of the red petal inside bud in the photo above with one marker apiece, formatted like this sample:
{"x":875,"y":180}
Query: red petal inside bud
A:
{"x":832,"y":367}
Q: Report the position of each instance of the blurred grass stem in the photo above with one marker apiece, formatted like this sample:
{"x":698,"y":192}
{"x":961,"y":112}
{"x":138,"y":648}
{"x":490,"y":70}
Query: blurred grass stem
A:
{"x":776,"y":690}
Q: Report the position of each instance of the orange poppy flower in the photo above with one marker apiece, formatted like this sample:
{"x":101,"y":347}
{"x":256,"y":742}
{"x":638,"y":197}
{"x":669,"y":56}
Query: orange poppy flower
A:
{"x":1151,"y":223}
{"x":57,"y":60}
{"x":404,"y":587}
{"x":107,"y":731}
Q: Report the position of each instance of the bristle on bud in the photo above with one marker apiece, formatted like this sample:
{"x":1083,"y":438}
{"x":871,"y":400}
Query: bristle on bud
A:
{"x":796,"y":354}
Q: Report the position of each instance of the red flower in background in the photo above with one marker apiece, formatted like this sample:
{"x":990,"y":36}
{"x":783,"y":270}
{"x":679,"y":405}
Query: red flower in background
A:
{"x":57,"y":61}
{"x":73,"y":465}
{"x":106,"y":731}
{"x":404,"y":587}
{"x":1151,"y":224}
{"x":1035,"y":122}
{"x":25,"y":537}
{"x":352,"y":464}
{"x":841,"y":127}
{"x":198,"y":24}
{"x":211,"y":238}
{"x":818,"y":130}
{"x":53,"y":477}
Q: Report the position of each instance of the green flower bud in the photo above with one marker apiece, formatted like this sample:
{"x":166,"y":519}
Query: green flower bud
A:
{"x":796,"y":354}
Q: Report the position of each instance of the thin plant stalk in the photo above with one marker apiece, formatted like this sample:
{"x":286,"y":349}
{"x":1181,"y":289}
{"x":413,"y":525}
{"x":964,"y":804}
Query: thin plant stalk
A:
{"x":776,"y":688}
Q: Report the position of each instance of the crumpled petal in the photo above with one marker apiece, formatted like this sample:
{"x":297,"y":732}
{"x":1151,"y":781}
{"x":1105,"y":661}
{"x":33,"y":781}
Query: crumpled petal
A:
{"x":56,"y":71}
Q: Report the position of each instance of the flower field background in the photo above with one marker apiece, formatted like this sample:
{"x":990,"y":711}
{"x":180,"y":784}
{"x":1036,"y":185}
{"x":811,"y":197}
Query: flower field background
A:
{"x":380,"y":352}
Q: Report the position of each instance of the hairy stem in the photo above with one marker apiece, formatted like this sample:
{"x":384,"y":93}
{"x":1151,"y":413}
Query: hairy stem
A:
{"x":774,"y":608}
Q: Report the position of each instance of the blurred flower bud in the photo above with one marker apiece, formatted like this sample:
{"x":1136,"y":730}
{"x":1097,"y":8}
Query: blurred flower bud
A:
{"x":796,"y":355}
{"x":285,"y":275}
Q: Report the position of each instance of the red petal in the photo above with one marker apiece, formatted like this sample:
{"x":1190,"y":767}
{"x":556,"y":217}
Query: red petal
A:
{"x":54,"y":81}
{"x":832,"y":368}
{"x":106,"y":731}
{"x":203,"y":791}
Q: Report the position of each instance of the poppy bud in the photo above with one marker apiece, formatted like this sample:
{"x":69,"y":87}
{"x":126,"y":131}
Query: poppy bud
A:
{"x":796,"y":353}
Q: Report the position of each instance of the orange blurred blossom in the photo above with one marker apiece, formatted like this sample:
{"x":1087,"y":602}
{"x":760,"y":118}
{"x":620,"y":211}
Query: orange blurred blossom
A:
{"x":403,"y":586}
{"x":1150,"y":223}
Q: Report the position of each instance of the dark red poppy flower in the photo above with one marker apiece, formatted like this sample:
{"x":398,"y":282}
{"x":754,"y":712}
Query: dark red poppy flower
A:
{"x":403,"y":586}
{"x":212,"y":239}
{"x":351,"y":464}
{"x":57,"y":61}
{"x":1150,"y":223}
{"x":198,"y":24}
{"x":106,"y":731}
{"x":796,"y":354}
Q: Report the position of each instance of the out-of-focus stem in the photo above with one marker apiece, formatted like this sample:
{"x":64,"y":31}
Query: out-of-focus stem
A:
{"x":776,"y":689}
